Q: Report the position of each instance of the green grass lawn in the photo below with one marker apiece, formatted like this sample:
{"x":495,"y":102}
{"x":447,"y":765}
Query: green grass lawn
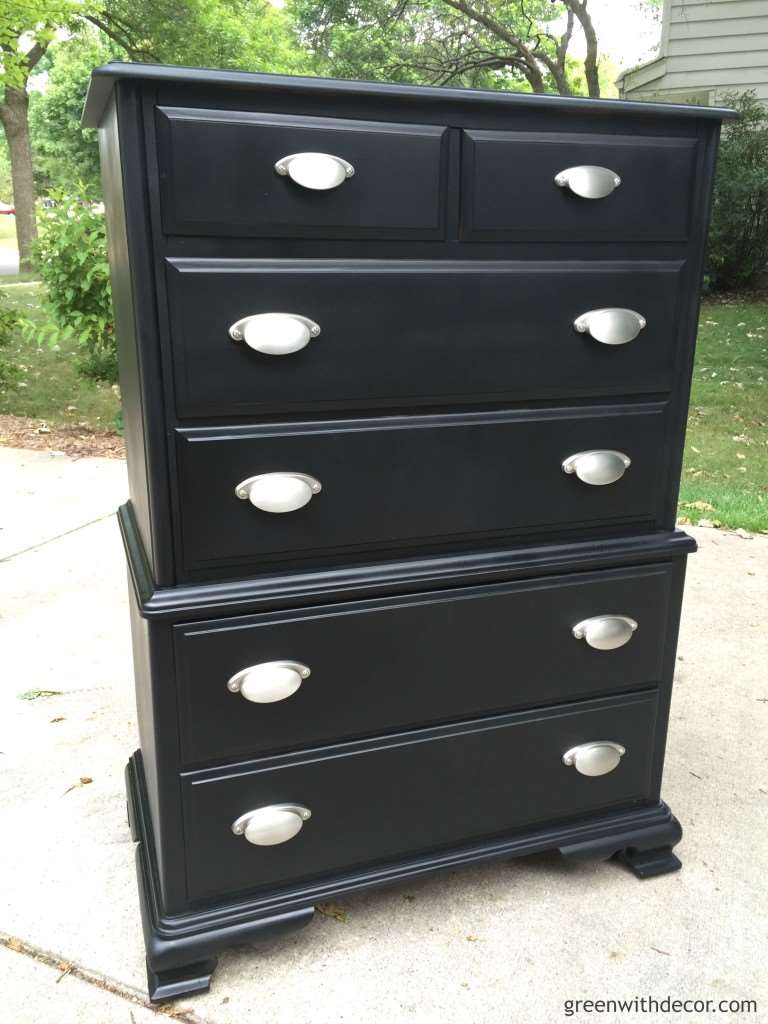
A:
{"x":725,"y":476}
{"x":51,"y":388}
{"x":726,"y":447}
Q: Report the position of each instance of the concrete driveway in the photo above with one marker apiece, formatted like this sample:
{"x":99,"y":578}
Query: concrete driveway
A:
{"x":501,"y":943}
{"x":9,"y":261}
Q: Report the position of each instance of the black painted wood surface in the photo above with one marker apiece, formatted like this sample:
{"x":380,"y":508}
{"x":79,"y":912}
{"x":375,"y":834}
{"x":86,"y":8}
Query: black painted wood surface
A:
{"x":406,"y":332}
{"x":399,"y":662}
{"x":411,"y":482}
{"x":411,"y":791}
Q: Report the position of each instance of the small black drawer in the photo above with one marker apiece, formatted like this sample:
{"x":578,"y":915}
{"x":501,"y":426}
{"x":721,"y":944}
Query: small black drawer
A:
{"x":378,"y":666}
{"x":411,"y":482}
{"x":401,"y":332}
{"x":413,"y":791}
{"x":218,"y":177}
{"x":509,"y":190}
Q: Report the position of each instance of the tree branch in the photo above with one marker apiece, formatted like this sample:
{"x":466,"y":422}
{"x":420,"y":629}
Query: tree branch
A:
{"x":591,"y":60}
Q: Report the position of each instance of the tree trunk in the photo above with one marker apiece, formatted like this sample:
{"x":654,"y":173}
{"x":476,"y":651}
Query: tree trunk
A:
{"x":14,"y":113}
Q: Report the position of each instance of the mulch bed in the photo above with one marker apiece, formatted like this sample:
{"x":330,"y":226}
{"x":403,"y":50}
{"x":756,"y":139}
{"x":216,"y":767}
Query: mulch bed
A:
{"x":74,"y":440}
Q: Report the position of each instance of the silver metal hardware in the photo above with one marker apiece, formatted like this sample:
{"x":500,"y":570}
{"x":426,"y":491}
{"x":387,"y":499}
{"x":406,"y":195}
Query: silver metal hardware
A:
{"x":278,"y":492}
{"x":611,"y":326}
{"x":275,"y":334}
{"x":605,"y":632}
{"x":269,"y":682}
{"x":268,"y":826}
{"x":588,"y":181}
{"x":597,"y":758}
{"x":598,"y":467}
{"x":318,"y":171}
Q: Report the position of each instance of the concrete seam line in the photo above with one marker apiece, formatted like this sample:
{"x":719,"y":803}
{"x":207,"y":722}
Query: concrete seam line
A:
{"x":50,"y":540}
{"x":66,"y":967}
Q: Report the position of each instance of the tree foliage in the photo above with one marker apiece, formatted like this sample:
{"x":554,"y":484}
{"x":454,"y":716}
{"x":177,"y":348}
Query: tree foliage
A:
{"x":64,"y":151}
{"x":522,"y":44}
{"x":738,"y":239}
{"x":71,"y":257}
{"x":250,"y":35}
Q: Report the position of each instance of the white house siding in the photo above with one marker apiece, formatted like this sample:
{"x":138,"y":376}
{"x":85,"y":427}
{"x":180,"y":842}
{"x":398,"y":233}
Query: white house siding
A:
{"x":708,"y":48}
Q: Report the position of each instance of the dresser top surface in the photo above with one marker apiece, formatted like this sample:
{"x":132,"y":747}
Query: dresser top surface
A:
{"x":103,"y":80}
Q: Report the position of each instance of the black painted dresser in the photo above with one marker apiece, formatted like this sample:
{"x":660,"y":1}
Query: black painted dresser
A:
{"x":405,"y":377}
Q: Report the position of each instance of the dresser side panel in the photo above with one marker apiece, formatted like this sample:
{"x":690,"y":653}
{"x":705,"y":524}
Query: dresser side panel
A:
{"x":133,"y":299}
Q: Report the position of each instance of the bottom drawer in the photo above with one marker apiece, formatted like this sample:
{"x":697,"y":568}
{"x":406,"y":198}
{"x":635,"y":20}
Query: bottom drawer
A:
{"x":411,"y":792}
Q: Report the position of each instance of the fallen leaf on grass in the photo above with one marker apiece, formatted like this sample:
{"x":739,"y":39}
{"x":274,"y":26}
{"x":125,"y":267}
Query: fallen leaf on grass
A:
{"x":331,"y":910}
{"x":702,"y":506}
{"x":683,"y":521}
{"x":34,"y":694}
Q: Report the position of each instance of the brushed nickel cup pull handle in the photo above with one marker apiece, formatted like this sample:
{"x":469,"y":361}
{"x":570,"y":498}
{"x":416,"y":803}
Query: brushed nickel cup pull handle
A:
{"x":588,"y":181}
{"x":278,"y":492}
{"x":605,"y":632}
{"x":269,"y":682}
{"x":268,"y":826}
{"x":598,"y":467}
{"x":612,"y":326}
{"x":275,"y":334}
{"x":316,"y":171}
{"x":597,"y":758}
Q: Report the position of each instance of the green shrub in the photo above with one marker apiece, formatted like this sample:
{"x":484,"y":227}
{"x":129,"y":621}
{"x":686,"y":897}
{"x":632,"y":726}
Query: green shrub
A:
{"x":738,"y":239}
{"x":71,"y":258}
{"x":9,"y":372}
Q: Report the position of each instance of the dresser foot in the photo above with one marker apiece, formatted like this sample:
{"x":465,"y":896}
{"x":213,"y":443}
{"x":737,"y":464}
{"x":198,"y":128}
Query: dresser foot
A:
{"x":182,"y":948}
{"x":180,"y":981}
{"x":649,"y":863}
{"x":646,"y":850}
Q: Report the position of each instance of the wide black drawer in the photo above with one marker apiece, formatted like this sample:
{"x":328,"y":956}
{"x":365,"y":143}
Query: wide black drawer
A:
{"x":218,"y":177}
{"x":400,"y":332}
{"x":387,"y":799}
{"x":378,"y":666}
{"x":418,"y":481}
{"x":509,"y":190}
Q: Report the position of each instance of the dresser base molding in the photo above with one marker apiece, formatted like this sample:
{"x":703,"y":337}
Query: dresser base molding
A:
{"x":182,"y":949}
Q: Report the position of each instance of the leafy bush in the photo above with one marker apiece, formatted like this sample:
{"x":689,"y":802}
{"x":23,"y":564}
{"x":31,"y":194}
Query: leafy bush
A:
{"x":71,"y":257}
{"x":9,"y":372}
{"x":738,"y":240}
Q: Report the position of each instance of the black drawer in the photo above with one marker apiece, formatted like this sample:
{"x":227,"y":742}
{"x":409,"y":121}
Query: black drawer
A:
{"x":218,"y":177}
{"x":400,"y":332}
{"x":410,"y":792}
{"x":414,"y":481}
{"x":382,"y":665}
{"x":509,"y":190}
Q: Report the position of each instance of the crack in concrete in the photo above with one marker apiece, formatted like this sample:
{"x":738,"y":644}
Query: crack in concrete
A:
{"x":67,"y":967}
{"x":50,"y":540}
